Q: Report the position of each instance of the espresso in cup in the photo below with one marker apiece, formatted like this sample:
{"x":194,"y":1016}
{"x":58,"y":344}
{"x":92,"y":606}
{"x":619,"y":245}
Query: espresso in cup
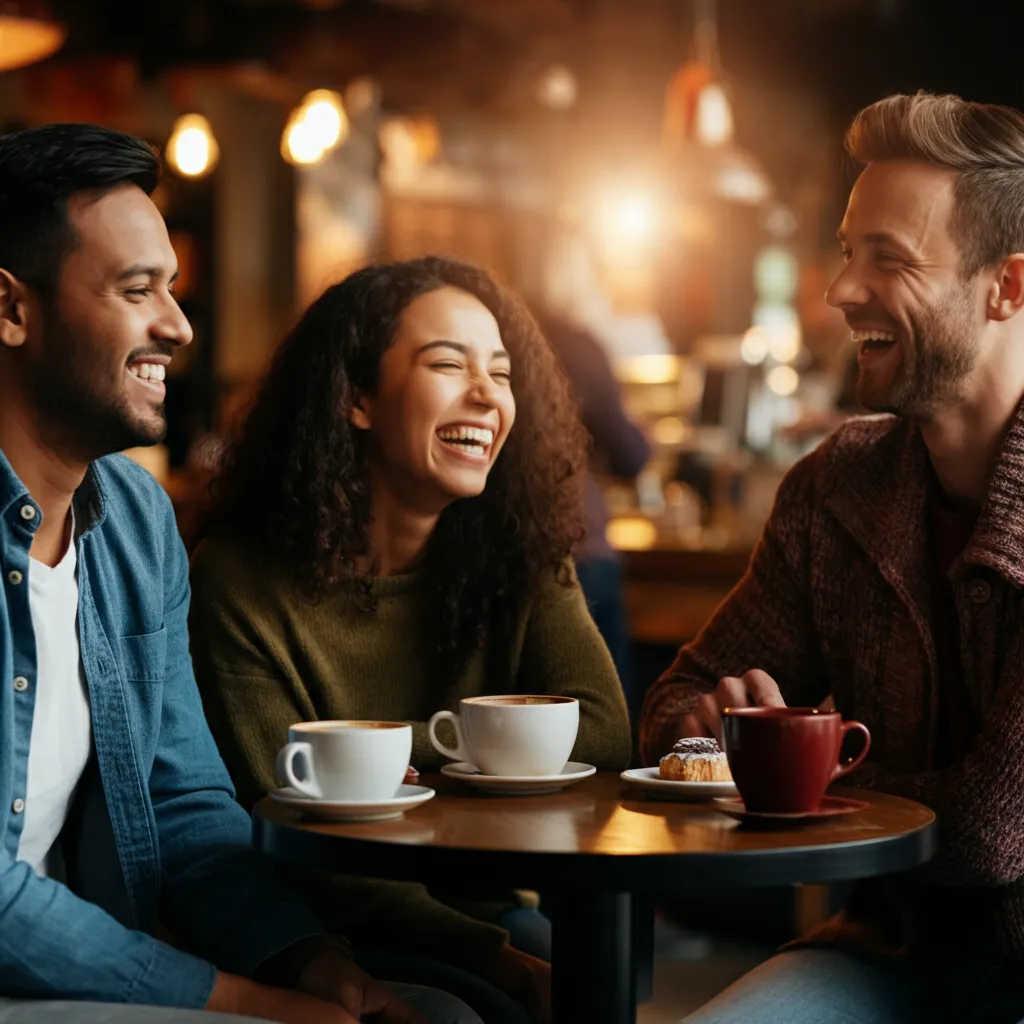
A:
{"x":512,"y":734}
{"x":783,"y":759}
{"x":346,"y":760}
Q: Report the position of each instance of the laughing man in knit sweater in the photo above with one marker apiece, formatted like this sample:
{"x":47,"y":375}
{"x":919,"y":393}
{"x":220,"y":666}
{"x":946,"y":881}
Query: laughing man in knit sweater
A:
{"x":891,"y":576}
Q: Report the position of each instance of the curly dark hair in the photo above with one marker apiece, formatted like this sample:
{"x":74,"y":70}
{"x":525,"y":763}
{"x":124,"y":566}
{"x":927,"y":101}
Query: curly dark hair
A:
{"x":296,"y":478}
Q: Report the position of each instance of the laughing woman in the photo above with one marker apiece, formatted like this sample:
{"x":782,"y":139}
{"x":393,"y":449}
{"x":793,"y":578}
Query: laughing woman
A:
{"x":391,"y":533}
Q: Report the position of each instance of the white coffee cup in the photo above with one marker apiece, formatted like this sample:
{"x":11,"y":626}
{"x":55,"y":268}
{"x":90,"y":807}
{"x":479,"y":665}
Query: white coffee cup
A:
{"x":512,"y":734}
{"x":346,"y":760}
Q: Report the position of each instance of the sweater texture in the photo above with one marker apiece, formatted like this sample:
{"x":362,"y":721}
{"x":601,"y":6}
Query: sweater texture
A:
{"x":266,"y":657}
{"x":837,"y":600}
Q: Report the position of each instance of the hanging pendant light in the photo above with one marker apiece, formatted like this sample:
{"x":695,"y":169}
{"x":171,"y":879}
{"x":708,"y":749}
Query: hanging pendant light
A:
{"x":28,"y":33}
{"x":697,"y":131}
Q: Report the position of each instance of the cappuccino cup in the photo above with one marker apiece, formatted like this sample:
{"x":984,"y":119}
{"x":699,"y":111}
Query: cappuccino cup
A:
{"x":512,"y":734}
{"x":783,"y":759}
{"x":346,"y":760}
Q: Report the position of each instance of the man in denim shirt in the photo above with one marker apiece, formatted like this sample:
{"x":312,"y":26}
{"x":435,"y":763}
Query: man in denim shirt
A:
{"x":116,"y":812}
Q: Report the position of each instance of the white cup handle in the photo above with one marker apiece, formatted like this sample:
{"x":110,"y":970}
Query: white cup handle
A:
{"x":459,"y":751}
{"x":286,"y":771}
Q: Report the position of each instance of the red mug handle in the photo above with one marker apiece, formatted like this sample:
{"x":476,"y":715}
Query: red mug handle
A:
{"x":842,"y":769}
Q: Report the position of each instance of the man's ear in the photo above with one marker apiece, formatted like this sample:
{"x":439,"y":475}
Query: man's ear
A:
{"x":1006,"y":293}
{"x":359,"y":416}
{"x":13,"y":310}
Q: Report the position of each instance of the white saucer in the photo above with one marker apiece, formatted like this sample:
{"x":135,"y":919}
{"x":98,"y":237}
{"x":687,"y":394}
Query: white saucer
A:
{"x":648,"y":779}
{"x":406,"y":798}
{"x":518,"y":785}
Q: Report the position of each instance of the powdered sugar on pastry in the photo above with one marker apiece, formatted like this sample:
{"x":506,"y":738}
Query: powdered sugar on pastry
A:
{"x":695,"y":759}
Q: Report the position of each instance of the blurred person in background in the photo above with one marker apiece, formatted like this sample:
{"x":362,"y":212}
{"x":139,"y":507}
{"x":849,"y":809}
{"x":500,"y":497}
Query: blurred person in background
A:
{"x":391,"y":533}
{"x":569,"y":297}
{"x":618,"y":448}
{"x":891,"y":574}
{"x":118,"y":822}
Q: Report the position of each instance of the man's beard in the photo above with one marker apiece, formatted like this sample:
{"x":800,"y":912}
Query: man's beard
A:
{"x":931,"y":374}
{"x":84,"y":412}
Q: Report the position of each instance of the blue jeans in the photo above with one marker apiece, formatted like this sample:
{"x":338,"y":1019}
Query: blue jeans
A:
{"x":529,"y":931}
{"x":828,"y":986}
{"x":437,"y":1007}
{"x":601,"y":583}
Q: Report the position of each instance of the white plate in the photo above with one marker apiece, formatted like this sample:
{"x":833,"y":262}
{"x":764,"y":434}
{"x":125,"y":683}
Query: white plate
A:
{"x":354,"y":810}
{"x":518,"y":785}
{"x":648,"y":779}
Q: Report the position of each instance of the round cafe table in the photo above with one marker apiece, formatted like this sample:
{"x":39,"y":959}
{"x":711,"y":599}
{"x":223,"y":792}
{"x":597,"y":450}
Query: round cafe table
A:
{"x":596,"y":849}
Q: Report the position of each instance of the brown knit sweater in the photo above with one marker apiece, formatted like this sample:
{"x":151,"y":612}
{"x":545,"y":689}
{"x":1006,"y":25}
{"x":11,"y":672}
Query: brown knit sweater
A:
{"x":837,"y":600}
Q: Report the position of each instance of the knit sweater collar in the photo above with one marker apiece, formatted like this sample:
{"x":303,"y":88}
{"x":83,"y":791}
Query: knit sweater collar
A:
{"x":882,"y":500}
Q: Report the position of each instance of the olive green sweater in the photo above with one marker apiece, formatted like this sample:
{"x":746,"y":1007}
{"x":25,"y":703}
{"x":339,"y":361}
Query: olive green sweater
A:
{"x":266,"y":657}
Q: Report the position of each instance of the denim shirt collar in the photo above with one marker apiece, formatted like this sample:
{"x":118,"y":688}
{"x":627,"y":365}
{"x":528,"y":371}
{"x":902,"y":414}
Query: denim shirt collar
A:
{"x":89,"y":506}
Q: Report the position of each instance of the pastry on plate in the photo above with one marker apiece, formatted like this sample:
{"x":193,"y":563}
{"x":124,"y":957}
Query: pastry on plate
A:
{"x":695,"y":759}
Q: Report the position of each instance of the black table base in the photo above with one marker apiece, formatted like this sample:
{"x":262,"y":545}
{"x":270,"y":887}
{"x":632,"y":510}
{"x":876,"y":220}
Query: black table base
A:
{"x":594,"y":977}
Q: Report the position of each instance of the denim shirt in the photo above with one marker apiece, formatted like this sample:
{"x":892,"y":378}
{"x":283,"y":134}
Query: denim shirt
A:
{"x":155,"y":833}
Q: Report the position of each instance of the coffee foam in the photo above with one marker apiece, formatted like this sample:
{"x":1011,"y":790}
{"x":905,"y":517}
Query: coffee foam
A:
{"x":516,"y":700}
{"x":335,"y":726}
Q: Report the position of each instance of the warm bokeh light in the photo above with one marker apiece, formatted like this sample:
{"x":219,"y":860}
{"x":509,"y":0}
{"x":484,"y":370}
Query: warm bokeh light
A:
{"x":629,"y":218}
{"x":557,"y":88}
{"x":783,"y":380}
{"x":649,"y":369}
{"x":323,"y":112}
{"x":631,"y":534}
{"x":670,"y":430}
{"x":192,"y":149}
{"x":25,"y":39}
{"x":714,"y":116}
{"x":784,"y":342}
{"x":754,"y":347}
{"x":318,"y":125}
{"x":299,"y":144}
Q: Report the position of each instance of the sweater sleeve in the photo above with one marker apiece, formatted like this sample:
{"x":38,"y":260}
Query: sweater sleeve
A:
{"x":979,"y":801}
{"x":564,"y":654}
{"x":250,"y":703}
{"x":765,"y":623}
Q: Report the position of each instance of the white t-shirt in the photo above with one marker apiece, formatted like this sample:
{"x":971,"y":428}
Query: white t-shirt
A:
{"x":61,"y":742}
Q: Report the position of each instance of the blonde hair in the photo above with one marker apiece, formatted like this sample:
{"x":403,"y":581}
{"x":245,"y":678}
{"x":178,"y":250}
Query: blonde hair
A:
{"x":983,"y":143}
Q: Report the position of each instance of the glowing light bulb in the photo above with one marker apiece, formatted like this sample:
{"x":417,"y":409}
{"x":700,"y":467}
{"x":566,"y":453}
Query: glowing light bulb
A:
{"x":323,"y":112}
{"x":316,"y":126}
{"x":784,"y":342}
{"x":192,"y":149}
{"x":557,"y":88}
{"x":783,"y":380}
{"x":714,"y":116}
{"x":754,"y":347}
{"x":299,"y":144}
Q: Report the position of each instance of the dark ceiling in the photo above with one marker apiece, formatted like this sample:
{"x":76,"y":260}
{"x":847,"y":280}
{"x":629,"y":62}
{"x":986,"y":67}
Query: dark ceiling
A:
{"x":477,"y":52}
{"x":485,"y":55}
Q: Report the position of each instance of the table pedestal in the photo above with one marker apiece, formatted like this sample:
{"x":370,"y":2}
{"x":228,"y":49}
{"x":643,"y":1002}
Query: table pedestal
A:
{"x":594,"y":973}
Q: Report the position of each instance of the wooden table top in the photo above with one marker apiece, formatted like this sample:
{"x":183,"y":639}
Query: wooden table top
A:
{"x":602,"y":832}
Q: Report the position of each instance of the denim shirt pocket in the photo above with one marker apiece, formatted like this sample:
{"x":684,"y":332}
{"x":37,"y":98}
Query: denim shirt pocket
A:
{"x":144,"y":656}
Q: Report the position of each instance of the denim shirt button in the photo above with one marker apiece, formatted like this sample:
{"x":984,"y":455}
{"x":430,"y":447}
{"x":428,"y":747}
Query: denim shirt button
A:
{"x":14,"y":577}
{"x":18,"y":806}
{"x":28,"y":512}
{"x":20,"y":684}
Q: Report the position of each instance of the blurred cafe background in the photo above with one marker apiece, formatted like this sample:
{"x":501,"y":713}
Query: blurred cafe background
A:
{"x":661,"y":179}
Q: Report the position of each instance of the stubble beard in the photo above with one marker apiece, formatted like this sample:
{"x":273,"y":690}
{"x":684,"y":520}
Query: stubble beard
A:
{"x":933,"y":374}
{"x":84,"y":412}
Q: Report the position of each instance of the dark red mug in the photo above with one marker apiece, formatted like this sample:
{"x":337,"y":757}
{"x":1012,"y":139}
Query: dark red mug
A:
{"x":783,"y":759}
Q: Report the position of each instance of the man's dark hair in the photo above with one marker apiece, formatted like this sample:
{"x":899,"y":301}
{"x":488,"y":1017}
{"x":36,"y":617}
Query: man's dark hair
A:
{"x":40,"y":168}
